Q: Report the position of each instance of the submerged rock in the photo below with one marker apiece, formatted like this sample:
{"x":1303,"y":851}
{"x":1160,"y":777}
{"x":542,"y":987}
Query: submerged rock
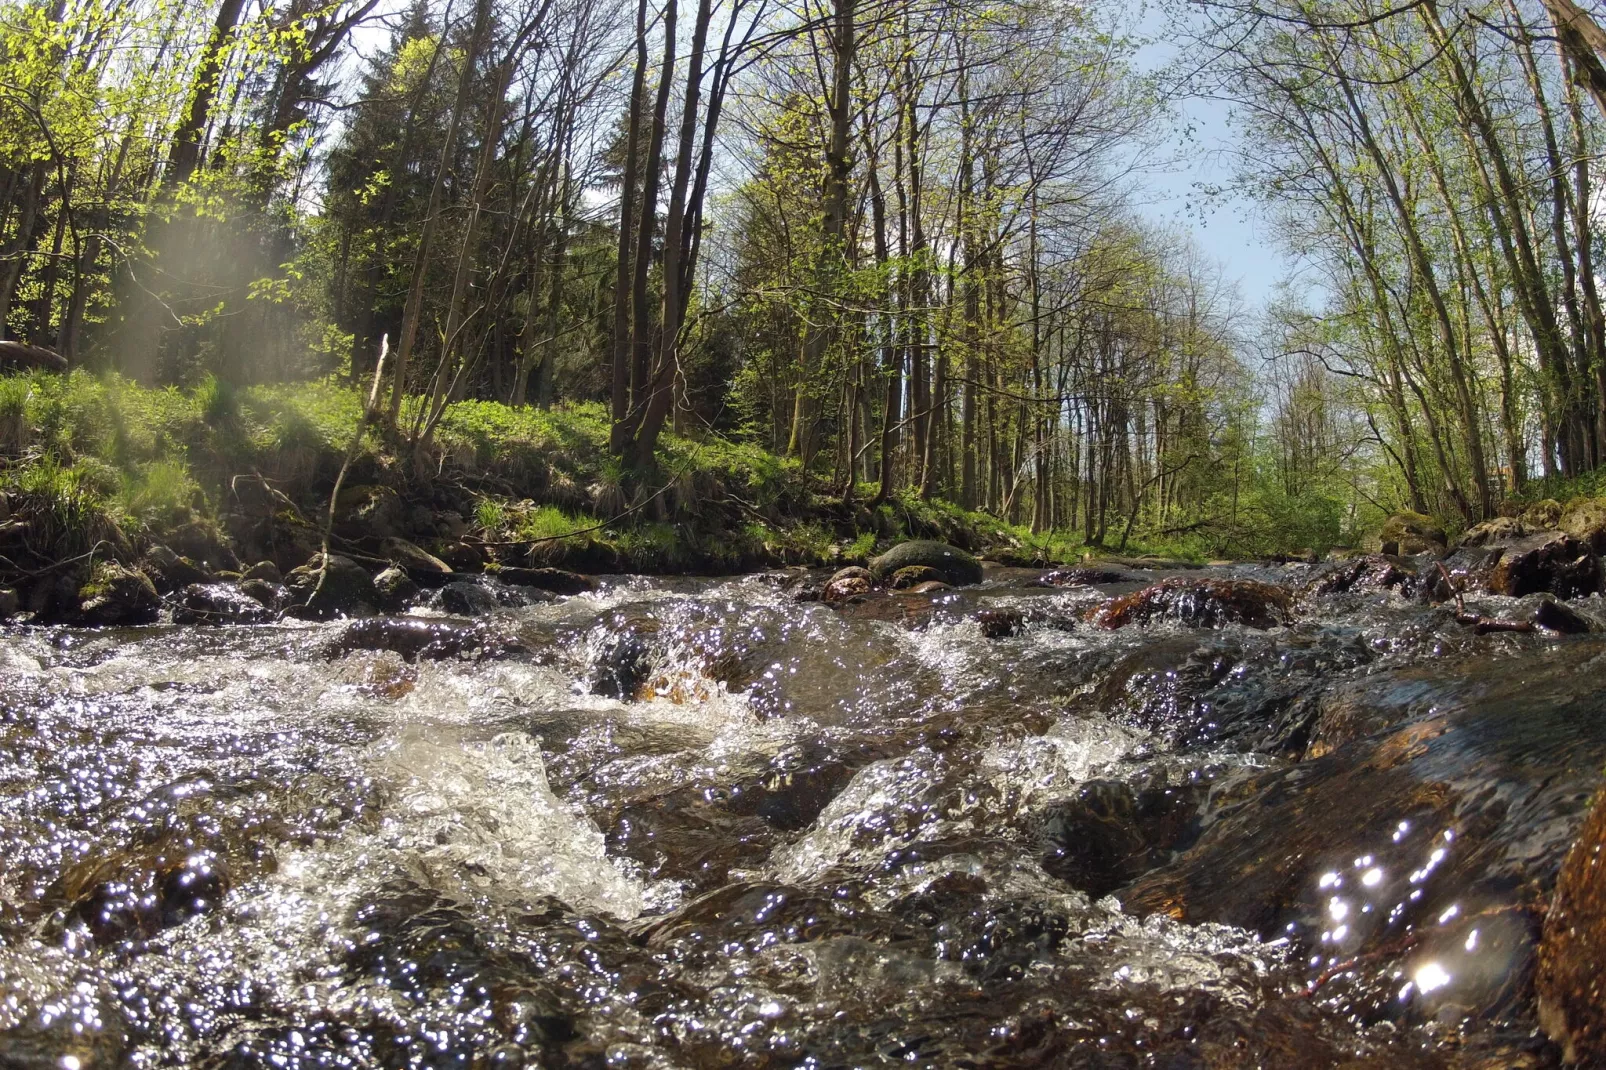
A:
{"x":1371,"y":572}
{"x":1000,"y":623}
{"x":1556,"y":616}
{"x":418,"y":640}
{"x":1080,"y":577}
{"x":218,"y":603}
{"x":1203,"y":603}
{"x":468,"y":599}
{"x":957,"y":567}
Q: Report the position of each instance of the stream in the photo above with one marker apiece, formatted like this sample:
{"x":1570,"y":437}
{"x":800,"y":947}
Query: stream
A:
{"x":698,"y":823}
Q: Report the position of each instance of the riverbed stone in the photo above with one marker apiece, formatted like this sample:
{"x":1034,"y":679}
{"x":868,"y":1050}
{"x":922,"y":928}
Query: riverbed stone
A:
{"x":263,"y":570}
{"x":1000,"y":623}
{"x":1551,"y":561}
{"x":347,"y":590}
{"x":1409,"y":533}
{"x":463,"y":557}
{"x":415,"y":639}
{"x":847,"y":583}
{"x":217,"y":603}
{"x":1554,"y":616}
{"x":957,"y":567}
{"x":116,"y":594}
{"x":1207,"y":603}
{"x":1079,"y":576}
{"x":275,"y":596}
{"x":1369,"y":572}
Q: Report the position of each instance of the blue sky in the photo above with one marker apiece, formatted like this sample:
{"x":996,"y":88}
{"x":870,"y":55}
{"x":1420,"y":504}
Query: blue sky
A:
{"x":1229,"y":229}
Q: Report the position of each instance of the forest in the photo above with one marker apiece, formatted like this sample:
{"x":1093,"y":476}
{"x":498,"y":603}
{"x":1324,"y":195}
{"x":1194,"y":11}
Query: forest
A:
{"x":898,"y":244}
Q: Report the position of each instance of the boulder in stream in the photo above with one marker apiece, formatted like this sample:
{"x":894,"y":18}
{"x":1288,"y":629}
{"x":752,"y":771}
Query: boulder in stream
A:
{"x":368,"y":511}
{"x":908,"y":577}
{"x":957,"y":567}
{"x":1206,"y":603}
{"x":555,"y":580}
{"x":396,"y":589}
{"x":1543,"y":515}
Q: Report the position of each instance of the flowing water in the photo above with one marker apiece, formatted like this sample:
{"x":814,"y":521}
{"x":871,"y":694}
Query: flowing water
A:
{"x":694,"y":823}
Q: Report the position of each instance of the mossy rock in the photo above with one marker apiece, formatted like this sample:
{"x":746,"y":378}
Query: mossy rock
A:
{"x":1409,"y":533}
{"x":1585,"y":520}
{"x":117,"y":595}
{"x":957,"y":566}
{"x":1542,"y":515}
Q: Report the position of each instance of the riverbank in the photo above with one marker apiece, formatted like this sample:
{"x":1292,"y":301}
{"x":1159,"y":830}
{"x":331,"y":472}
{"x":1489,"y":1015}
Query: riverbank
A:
{"x":98,"y":469}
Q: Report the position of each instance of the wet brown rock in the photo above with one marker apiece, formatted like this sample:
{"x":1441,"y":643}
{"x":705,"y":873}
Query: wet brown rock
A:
{"x":1412,"y":533}
{"x":1585,"y":520}
{"x":1553,"y":562}
{"x":1000,"y":623}
{"x":1204,"y":603}
{"x":417,"y":640}
{"x":1571,"y":984}
{"x":1542,"y":515}
{"x":1499,"y":529}
{"x":846,"y":583}
{"x":1371,"y":572}
{"x":10,"y":603}
{"x":905,"y":578}
{"x":930,"y":587}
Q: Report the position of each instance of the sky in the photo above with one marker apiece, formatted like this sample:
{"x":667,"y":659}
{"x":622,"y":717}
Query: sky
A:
{"x":1229,"y":229}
